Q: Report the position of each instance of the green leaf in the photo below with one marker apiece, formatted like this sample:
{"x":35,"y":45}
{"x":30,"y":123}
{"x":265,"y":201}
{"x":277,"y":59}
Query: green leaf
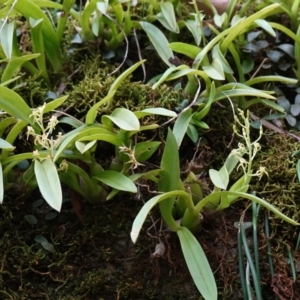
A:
{"x":6,"y":36}
{"x":144,"y":150}
{"x":215,"y":71}
{"x":14,"y":105}
{"x":169,"y":177}
{"x":14,"y":64}
{"x":117,"y":181}
{"x":160,"y":111}
{"x":80,"y":133}
{"x":92,"y":113}
{"x":192,"y":133}
{"x":216,"y":53}
{"x":48,"y":182}
{"x":123,"y":118}
{"x":55,"y":103}
{"x":38,"y":46}
{"x":83,"y":147}
{"x":5,"y":145}
{"x":219,"y":178}
{"x":261,"y":79}
{"x":167,"y":17}
{"x":217,"y":195}
{"x":266,"y":26}
{"x":181,"y":125}
{"x":193,"y":27}
{"x":159,"y":41}
{"x":198,"y":264}
{"x":123,"y":76}
{"x":141,"y":216}
{"x":186,"y":49}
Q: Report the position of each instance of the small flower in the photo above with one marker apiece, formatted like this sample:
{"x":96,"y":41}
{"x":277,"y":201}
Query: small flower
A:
{"x":261,"y":171}
{"x":36,"y":154}
{"x":63,"y":166}
{"x":30,"y":131}
{"x":52,"y":124}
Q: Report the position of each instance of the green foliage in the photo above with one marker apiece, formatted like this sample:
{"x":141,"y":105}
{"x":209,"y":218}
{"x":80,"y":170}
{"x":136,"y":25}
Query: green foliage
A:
{"x":174,"y":202}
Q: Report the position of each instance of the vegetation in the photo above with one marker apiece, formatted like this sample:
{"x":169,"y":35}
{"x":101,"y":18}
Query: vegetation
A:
{"x":95,"y":105}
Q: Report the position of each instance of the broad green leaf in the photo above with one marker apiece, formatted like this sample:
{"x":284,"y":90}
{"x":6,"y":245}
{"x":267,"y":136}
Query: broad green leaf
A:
{"x":48,"y":182}
{"x":219,"y":178}
{"x":216,"y":53}
{"x":14,"y":105}
{"x":159,"y":42}
{"x":5,"y":145}
{"x":6,"y":37}
{"x":117,"y":181}
{"x":266,"y":26}
{"x":144,"y":150}
{"x":14,"y":64}
{"x":215,"y":71}
{"x":186,"y":49}
{"x":198,"y":265}
{"x":83,"y":147}
{"x":92,"y":113}
{"x":123,"y":118}
{"x":160,"y":111}
{"x":193,"y":27}
{"x":102,"y":6}
{"x":123,"y":76}
{"x":181,"y":125}
{"x":219,"y":19}
{"x":141,"y":216}
{"x":167,"y":17}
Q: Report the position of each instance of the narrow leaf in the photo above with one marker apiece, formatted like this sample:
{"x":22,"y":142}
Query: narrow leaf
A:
{"x":116,"y":180}
{"x":159,"y":42}
{"x":14,"y":105}
{"x":181,"y":126}
{"x":198,"y":265}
